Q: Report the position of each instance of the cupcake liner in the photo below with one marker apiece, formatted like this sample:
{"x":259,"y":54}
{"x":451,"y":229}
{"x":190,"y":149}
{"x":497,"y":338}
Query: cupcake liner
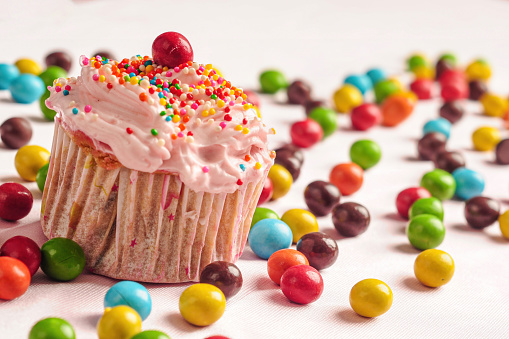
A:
{"x":141,"y":226}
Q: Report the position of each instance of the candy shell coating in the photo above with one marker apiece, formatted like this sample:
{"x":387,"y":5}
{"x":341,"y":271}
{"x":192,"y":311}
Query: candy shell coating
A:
{"x":7,"y":74}
{"x":425,"y":231}
{"x":52,"y":328}
{"x":26,"y":88}
{"x":261,"y":213}
{"x":469,"y":183}
{"x":434,"y":268}
{"x":29,"y":159}
{"x":268,"y":236}
{"x":132,"y":294}
{"x":14,"y":278}
{"x":439,"y":125}
{"x":300,"y":221}
{"x":120,"y":322}
{"x":28,"y":66}
{"x":371,"y":298}
{"x":62,"y":259}
{"x":202,"y":304}
{"x":151,"y":334}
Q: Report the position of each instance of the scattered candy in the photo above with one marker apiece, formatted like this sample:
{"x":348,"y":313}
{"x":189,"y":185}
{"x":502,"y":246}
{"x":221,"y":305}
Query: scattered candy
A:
{"x":47,"y":112}
{"x":290,"y":157}
{"x":23,"y":249}
{"x":503,"y":221}
{"x":442,"y":66}
{"x":452,"y":111}
{"x":151,"y":334}
{"x":7,"y":74}
{"x":171,"y":49}
{"x":477,"y":89}
{"x":15,"y":201}
{"x":224,"y":275}
{"x":312,"y":104}
{"x":486,"y":138}
{"x":202,"y":304}
{"x":272,"y":81}
{"x":281,"y":180}
{"x":365,"y":116}
{"x":282,"y":260}
{"x":326,"y":118}
{"x":371,"y":298}
{"x":51,"y":73}
{"x":502,"y":152}
{"x":261,"y":213}
{"x":449,"y":161}
{"x":365,"y":153}
{"x":434,"y":268}
{"x":29,"y":160}
{"x":299,"y":92}
{"x":361,"y":81}
{"x":267,"y":191}
{"x":469,"y":183}
{"x":439,"y":183}
{"x":306,"y":133}
{"x":430,"y":145}
{"x":120,"y":322}
{"x":350,"y":219}
{"x":494,"y":105}
{"x":28,"y":66}
{"x":415,"y":61}
{"x":302,"y":284}
{"x":347,"y":98}
{"x":384,"y":89}
{"x":439,"y":125}
{"x":454,"y":89}
{"x":14,"y":278}
{"x":52,"y":328}
{"x":132,"y":294}
{"x":16,"y":132}
{"x":422,"y":88}
{"x":407,"y":197}
{"x":41,"y":176}
{"x":26,"y":88}
{"x":59,"y":58}
{"x":347,"y":177}
{"x":395,"y":109}
{"x":268,"y":236}
{"x":481,"y":212}
{"x":430,"y":205}
{"x":62,"y":259}
{"x":320,"y":197}
{"x":320,"y":249}
{"x":376,"y":75}
{"x":300,"y":221}
{"x":478,"y":70}
{"x":425,"y":231}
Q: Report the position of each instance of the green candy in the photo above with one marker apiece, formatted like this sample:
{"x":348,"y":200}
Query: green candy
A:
{"x":272,"y":81}
{"x":327,"y":118}
{"x":52,"y":328}
{"x":439,"y":183}
{"x":150,"y":334}
{"x":450,"y":58}
{"x":51,"y":73}
{"x":365,"y":153}
{"x":40,"y":178}
{"x":48,"y":113}
{"x":431,"y":206}
{"x":263,"y":213}
{"x":416,"y":61}
{"x":384,"y":88}
{"x":62,"y":259}
{"x":425,"y":231}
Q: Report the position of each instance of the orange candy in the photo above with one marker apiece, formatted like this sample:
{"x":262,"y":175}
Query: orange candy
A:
{"x":282,"y":260}
{"x":396,"y":109}
{"x":14,"y":278}
{"x":347,"y":177}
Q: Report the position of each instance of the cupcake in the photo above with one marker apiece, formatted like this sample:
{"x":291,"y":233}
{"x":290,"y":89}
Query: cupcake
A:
{"x":156,"y":165}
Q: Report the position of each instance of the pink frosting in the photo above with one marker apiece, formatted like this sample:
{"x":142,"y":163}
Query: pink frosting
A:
{"x":208,"y":155}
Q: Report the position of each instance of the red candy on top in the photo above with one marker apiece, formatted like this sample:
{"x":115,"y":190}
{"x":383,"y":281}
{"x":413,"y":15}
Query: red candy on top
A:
{"x":407,"y":197}
{"x":422,"y":88}
{"x":302,"y":284}
{"x":171,"y":49}
{"x":306,"y":133}
{"x":365,"y":116}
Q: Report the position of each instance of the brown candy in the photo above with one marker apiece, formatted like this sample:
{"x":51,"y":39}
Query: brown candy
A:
{"x":502,"y":152}
{"x":298,"y":92}
{"x":224,"y":275}
{"x":60,"y":59}
{"x":449,"y":161}
{"x":350,"y":219}
{"x":430,"y":145}
{"x":452,"y":111}
{"x":442,"y":66}
{"x":16,"y":132}
{"x":320,"y":249}
{"x":477,"y":89}
{"x":312,"y":104}
{"x":481,"y":212}
{"x":321,"y":197}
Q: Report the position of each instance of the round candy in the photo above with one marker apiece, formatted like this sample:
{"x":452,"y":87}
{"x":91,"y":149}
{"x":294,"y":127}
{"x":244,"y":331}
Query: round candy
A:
{"x":385,"y":88}
{"x":430,"y":205}
{"x":395,"y":109}
{"x":132,"y":294}
{"x":477,"y":88}
{"x":326,"y":118}
{"x":469,"y":183}
{"x":424,"y":73}
{"x":306,"y":133}
{"x":14,"y":278}
{"x":120,"y":322}
{"x":452,"y":111}
{"x":434,"y":268}
{"x":312,"y":104}
{"x":442,"y":66}
{"x":494,"y":105}
{"x":51,"y":73}
{"x":365,"y":116}
{"x":272,"y":81}
{"x":261,"y":213}
{"x":486,"y":138}
{"x":365,"y":153}
{"x":439,"y":125}
{"x":171,"y":49}
{"x":478,"y":70}
{"x":290,"y":159}
{"x":439,"y":183}
{"x":371,"y":298}
{"x":481,"y":212}
{"x":449,"y":57}
{"x":26,"y":88}
{"x":407,"y":197}
{"x":47,"y":112}
{"x":347,"y":98}
{"x":28,"y":66}
{"x":7,"y":74}
{"x":422,"y":88}
{"x":41,"y":176}
{"x":267,"y":191}
{"x":430,"y":145}
{"x":376,"y":75}
{"x":347,"y":177}
{"x":268,"y":236}
{"x":52,"y":328}
{"x":449,"y":161}
{"x":416,"y":60}
{"x":425,"y":231}
{"x":454,"y":90}
{"x":15,"y":201}
{"x":202,"y":304}
{"x":61,"y":59}
{"x":320,"y":249}
{"x":302,"y":284}
{"x":29,"y":160}
{"x":151,"y":334}
{"x":503,"y":221}
{"x":299,"y":92}
{"x":281,"y":180}
{"x":288,"y":150}
{"x":16,"y":132}
{"x":62,"y":259}
{"x":361,"y":81}
{"x":282,"y":260}
{"x":502,"y":152}
{"x":224,"y":275}
{"x":300,"y":222}
{"x":23,"y":249}
{"x":452,"y":75}
{"x":320,"y":197}
{"x":350,"y":219}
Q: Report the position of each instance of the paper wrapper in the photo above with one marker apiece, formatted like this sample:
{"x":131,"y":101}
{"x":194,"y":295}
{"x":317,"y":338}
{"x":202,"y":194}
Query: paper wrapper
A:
{"x":141,"y":226}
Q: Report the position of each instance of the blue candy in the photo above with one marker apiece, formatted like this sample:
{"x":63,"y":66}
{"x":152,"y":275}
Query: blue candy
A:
{"x":376,"y":75}
{"x":7,"y":74}
{"x":26,"y":88}
{"x":362,"y":82}
{"x":439,"y":125}
{"x":131,"y":294}
{"x":469,"y":183}
{"x":268,"y":236}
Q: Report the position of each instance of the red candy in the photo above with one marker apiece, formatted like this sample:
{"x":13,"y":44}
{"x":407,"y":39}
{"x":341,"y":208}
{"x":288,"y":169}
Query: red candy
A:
{"x":306,"y":133}
{"x":267,"y":191}
{"x":15,"y":201}
{"x":365,"y":116}
{"x":451,"y":75}
{"x":422,"y":88}
{"x":347,"y":177}
{"x":281,"y":260}
{"x":171,"y":49}
{"x":23,"y":249}
{"x":302,"y":284}
{"x":14,"y":278}
{"x":454,"y":90}
{"x":407,"y":197}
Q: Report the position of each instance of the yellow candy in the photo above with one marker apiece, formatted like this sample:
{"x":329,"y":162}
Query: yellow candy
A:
{"x":408,"y":94}
{"x":478,"y":70}
{"x":28,"y":66}
{"x":281,"y":181}
{"x":371,"y":298}
{"x":494,"y":105}
{"x":503,"y":221}
{"x":120,"y":322}
{"x":434,"y":268}
{"x":486,"y":138}
{"x":29,"y":160}
{"x":347,"y":98}
{"x":423,"y":72}
{"x":301,"y":222}
{"x":202,"y":304}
